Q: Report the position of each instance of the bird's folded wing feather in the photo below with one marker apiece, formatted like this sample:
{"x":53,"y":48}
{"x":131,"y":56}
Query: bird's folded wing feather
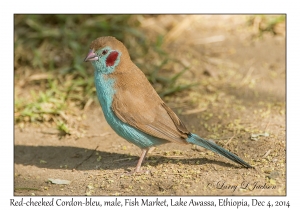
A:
{"x":138,"y":104}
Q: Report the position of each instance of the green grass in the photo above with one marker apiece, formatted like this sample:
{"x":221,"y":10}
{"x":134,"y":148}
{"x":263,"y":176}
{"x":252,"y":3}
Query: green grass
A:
{"x":56,"y":45}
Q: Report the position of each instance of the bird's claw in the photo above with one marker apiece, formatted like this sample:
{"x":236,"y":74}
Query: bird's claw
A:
{"x":137,"y":172}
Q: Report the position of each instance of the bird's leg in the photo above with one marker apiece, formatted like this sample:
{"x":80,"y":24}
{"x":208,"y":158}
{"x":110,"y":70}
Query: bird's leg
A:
{"x":143,"y":155}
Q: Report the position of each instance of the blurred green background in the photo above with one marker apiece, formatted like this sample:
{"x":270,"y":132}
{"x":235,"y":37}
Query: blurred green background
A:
{"x":49,"y":53}
{"x":51,"y":79}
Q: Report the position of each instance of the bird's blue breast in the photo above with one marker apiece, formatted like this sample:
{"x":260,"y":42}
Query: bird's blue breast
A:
{"x":105,"y":92}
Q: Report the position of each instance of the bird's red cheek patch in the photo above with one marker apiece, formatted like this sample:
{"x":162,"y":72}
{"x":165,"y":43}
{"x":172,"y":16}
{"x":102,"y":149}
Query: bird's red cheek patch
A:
{"x":111,"y":58}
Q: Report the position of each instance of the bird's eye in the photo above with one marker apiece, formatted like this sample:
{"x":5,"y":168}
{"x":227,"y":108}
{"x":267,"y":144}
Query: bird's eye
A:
{"x":104,"y":52}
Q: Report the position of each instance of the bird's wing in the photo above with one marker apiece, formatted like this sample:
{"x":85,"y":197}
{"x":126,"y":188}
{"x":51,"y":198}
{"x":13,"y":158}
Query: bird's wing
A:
{"x":137,"y":103}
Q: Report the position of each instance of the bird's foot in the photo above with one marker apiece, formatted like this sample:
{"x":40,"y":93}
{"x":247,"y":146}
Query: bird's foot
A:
{"x":137,"y":172}
{"x":142,"y":172}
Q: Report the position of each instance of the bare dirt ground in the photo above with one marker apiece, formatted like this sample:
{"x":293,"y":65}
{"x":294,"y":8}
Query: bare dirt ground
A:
{"x":241,"y":94}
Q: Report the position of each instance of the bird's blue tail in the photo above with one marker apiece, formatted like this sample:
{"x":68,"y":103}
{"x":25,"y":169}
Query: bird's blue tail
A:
{"x":194,"y":139}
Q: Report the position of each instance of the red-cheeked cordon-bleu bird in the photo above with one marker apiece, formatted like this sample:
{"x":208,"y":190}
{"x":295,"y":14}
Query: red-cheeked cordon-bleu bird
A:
{"x":132,"y":107}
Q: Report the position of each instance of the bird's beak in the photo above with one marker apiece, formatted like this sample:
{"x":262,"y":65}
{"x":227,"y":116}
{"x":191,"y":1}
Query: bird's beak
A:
{"x":91,"y":56}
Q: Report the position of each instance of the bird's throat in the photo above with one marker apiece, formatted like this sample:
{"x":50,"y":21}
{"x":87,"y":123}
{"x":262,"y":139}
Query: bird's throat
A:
{"x":105,"y":89}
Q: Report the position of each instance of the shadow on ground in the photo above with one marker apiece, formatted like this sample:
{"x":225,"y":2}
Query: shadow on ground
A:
{"x":52,"y":157}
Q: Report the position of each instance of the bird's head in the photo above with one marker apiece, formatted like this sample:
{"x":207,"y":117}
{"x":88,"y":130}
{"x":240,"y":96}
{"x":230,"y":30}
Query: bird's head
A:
{"x":106,"y":53}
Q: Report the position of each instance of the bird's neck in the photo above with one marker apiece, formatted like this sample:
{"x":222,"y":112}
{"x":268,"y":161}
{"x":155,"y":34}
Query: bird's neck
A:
{"x":105,"y":89}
